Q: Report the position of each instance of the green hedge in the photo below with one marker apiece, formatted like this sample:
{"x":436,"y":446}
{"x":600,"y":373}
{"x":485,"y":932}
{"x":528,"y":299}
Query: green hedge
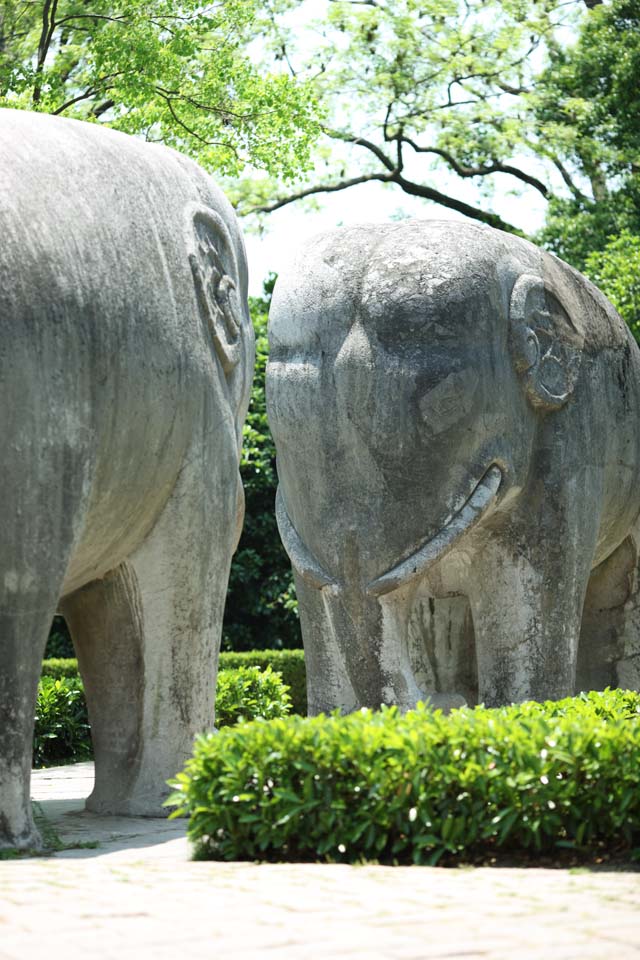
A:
{"x":408,"y":789}
{"x":289,"y":663}
{"x":248,"y":693}
{"x":58,"y":667}
{"x":62,"y":733}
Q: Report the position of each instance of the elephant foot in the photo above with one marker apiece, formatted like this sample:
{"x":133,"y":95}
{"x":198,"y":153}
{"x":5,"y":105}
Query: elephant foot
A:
{"x":133,"y":808}
{"x":446,"y":701}
{"x":140,"y":804}
{"x":27,"y":839}
{"x":437,"y":701}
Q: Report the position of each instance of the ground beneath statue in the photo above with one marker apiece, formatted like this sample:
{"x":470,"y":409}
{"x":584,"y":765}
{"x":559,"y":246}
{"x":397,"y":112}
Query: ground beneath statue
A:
{"x":137,"y":894}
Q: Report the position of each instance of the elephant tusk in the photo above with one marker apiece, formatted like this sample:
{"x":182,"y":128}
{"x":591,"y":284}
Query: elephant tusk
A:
{"x":306,"y":564}
{"x":467,"y":516}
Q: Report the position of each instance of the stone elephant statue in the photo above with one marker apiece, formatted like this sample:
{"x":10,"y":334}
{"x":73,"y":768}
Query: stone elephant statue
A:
{"x":457,"y":422}
{"x":126,"y":358}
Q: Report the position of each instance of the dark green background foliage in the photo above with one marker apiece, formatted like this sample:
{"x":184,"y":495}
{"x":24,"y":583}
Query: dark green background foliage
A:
{"x":590,"y":91}
{"x":58,"y":667}
{"x":288,"y":663}
{"x":408,"y":789}
{"x":616,"y":271}
{"x":261,"y":609}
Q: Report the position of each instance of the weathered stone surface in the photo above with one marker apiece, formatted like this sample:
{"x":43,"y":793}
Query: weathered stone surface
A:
{"x":457,"y":422}
{"x":126,"y":356}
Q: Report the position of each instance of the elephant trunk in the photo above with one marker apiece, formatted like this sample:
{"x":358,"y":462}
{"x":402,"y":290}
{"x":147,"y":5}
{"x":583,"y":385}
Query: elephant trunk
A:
{"x":358,"y":650}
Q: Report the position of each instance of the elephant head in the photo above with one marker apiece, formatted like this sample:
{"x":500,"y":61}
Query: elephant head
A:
{"x":410,"y":367}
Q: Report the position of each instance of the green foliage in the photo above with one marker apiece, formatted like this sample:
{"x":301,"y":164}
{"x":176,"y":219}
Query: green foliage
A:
{"x":181,"y":73}
{"x":587,"y":103}
{"x":62,"y":727}
{"x":250,"y":685}
{"x":58,"y":667}
{"x":616,"y":271}
{"x":409,"y":789}
{"x":537,"y":98}
{"x":249,"y":693}
{"x":261,"y":608}
{"x":575,"y":228}
{"x":288,"y":663}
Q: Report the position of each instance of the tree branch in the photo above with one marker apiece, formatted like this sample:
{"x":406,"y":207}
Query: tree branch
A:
{"x":516,"y":91}
{"x":70,"y":103}
{"x":483,"y":170}
{"x":566,"y":176}
{"x":102,"y":108}
{"x":46,"y":35}
{"x":361,"y":142}
{"x":427,"y":193}
{"x":413,"y":189}
{"x":192,"y":133}
{"x":323,"y":188}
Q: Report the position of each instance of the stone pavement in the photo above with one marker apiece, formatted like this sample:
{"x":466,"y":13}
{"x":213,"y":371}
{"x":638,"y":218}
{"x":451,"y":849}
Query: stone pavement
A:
{"x":137,"y":895}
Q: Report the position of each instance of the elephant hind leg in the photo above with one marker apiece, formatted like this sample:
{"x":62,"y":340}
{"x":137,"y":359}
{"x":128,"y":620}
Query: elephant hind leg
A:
{"x":147,"y":638}
{"x":24,"y":626}
{"x":105,"y":621}
{"x":609,"y":649}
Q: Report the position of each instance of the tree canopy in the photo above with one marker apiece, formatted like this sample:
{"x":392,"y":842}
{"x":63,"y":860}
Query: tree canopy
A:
{"x":179,"y":72}
{"x":531,"y":95}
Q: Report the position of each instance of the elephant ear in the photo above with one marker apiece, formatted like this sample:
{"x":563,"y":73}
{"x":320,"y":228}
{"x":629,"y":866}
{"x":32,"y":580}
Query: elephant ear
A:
{"x":215,"y":272}
{"x":546,"y":343}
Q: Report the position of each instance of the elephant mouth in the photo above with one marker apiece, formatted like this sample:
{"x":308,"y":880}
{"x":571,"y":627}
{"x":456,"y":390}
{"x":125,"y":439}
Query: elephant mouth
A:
{"x":475,"y":506}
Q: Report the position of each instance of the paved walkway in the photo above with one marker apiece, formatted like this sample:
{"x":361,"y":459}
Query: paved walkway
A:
{"x":138,"y":896}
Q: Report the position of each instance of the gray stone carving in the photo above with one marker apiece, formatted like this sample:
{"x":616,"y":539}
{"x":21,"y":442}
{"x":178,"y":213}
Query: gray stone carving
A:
{"x":126,"y":358}
{"x":457,"y":422}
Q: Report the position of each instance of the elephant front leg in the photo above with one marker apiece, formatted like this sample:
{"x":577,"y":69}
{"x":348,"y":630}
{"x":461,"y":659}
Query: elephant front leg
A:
{"x":328,"y":683}
{"x":527,"y":609}
{"x":23,"y":635}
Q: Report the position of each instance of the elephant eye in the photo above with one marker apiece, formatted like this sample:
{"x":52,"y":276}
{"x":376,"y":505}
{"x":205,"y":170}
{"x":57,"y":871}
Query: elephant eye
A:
{"x":301,"y":558}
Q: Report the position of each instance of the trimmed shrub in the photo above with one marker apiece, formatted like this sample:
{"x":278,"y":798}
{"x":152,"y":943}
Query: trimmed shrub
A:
{"x":249,"y":693}
{"x":58,"y":667}
{"x":289,"y":663}
{"x":61,"y":732}
{"x":408,"y":789}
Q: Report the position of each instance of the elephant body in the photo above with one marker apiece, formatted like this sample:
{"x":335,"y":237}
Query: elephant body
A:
{"x":457,"y":423}
{"x":126,"y":357}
